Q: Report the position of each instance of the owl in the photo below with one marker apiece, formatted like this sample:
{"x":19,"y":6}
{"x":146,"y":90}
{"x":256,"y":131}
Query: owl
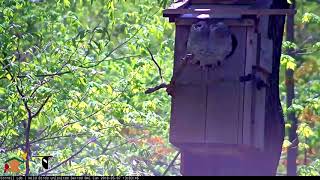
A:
{"x":219,"y":46}
{"x":209,"y":45}
{"x":198,"y":42}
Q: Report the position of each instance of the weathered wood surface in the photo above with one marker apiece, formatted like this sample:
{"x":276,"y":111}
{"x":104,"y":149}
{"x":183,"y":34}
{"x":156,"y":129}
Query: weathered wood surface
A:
{"x":223,"y":1}
{"x":224,"y":99}
{"x":202,"y":164}
{"x":212,"y":106}
{"x":188,"y":108}
{"x":247,"y":162}
{"x":241,"y":11}
{"x":229,"y":22}
{"x":258,"y":137}
{"x":251,"y":54}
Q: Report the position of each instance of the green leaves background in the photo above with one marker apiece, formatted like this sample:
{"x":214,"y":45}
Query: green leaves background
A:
{"x":90,"y":58}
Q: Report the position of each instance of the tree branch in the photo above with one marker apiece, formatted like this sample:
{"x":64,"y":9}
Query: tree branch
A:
{"x":27,"y":130}
{"x":5,"y":67}
{"x":47,"y":75}
{"x":88,"y":116}
{"x":57,"y":137}
{"x":154,"y":89}
{"x":155,"y":62}
{"x":68,"y":159}
{"x":3,"y":141}
{"x":104,"y":150}
{"x":41,"y":107}
{"x":112,"y":51}
{"x":171,"y":164}
{"x":42,"y":131}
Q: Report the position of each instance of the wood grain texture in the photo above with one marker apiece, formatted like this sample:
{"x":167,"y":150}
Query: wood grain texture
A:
{"x":259,"y":116}
{"x":248,"y":163}
{"x":229,"y":22}
{"x":187,"y":123}
{"x":251,"y":45}
{"x":266,"y":55}
{"x":223,"y":123}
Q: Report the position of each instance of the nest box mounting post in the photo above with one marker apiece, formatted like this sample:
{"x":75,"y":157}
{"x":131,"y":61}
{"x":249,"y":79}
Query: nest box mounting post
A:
{"x":224,"y":80}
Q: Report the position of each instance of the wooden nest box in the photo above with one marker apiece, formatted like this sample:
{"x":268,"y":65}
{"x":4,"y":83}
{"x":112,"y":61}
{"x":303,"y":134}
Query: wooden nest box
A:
{"x":219,"y":98}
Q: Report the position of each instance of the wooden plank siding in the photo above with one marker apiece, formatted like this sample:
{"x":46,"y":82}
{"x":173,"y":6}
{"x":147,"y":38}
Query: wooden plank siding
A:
{"x":188,"y":104}
{"x":212,"y":106}
{"x":249,"y":86}
{"x":223,"y":124}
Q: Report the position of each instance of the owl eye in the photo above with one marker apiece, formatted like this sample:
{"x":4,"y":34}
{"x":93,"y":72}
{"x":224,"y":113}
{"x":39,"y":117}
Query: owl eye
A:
{"x":198,"y":26}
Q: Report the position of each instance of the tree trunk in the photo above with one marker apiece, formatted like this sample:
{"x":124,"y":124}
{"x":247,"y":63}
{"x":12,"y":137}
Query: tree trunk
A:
{"x":290,"y":86}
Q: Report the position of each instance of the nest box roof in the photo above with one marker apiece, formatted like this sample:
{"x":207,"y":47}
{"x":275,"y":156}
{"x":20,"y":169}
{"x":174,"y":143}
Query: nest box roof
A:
{"x":235,"y":8}
{"x":222,"y":1}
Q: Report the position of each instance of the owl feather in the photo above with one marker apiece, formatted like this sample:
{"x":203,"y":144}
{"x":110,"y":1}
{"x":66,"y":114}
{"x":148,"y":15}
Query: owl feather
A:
{"x":219,"y":46}
{"x":198,"y":41}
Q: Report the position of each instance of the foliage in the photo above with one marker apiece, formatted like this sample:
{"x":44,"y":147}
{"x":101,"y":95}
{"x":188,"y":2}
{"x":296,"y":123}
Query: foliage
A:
{"x":73,"y":75}
{"x":312,"y":170}
{"x":303,"y":57}
{"x":83,"y":66}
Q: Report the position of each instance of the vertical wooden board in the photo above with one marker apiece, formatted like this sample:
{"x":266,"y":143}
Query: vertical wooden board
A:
{"x":266,"y":50}
{"x":263,"y":26}
{"x":265,"y":64}
{"x":224,"y":97}
{"x":188,"y":115}
{"x":260,"y":105}
{"x":187,"y":123}
{"x":266,"y":53}
{"x":251,"y":55}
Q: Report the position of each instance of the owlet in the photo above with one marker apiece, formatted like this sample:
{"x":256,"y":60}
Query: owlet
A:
{"x":219,"y":46}
{"x":198,"y":41}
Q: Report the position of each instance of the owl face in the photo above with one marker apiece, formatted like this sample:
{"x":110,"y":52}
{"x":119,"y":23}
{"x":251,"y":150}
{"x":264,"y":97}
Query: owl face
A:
{"x":200,"y":27}
{"x":220,"y":29}
{"x":209,"y":45}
